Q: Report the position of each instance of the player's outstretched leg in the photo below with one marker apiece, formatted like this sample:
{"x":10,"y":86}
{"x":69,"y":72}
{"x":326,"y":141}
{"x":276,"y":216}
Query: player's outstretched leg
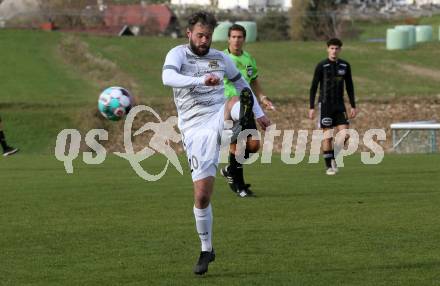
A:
{"x":243,"y":116}
{"x":246,"y":105}
{"x":242,"y":113}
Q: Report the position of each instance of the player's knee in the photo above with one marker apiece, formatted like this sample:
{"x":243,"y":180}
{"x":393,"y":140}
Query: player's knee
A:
{"x":252,"y":146}
{"x":229,"y":104}
{"x":202,"y":198}
{"x":202,"y":193}
{"x":233,"y":100}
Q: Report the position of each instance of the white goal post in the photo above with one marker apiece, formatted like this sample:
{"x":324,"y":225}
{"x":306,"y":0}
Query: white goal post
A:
{"x":430,"y":126}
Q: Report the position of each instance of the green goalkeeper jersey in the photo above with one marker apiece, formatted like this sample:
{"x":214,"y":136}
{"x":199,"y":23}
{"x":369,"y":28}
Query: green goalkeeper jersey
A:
{"x":247,"y":66}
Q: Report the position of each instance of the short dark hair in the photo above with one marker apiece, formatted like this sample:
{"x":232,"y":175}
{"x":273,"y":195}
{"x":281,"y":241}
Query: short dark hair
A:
{"x":204,"y":18}
{"x":334,"y":42}
{"x":237,"y":27}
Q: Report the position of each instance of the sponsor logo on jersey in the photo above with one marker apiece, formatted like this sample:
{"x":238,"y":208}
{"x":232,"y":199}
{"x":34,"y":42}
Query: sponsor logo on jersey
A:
{"x":249,"y":70}
{"x":341,"y":72}
{"x":213,"y":64}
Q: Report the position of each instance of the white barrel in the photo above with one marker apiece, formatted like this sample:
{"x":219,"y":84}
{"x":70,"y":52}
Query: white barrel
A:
{"x":412,"y":33}
{"x":423,"y":34}
{"x":397,"y":39}
{"x":251,"y":30}
{"x":221,"y":32}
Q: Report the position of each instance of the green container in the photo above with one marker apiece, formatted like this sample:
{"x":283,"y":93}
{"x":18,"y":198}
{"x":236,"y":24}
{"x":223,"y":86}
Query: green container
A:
{"x":251,"y":30}
{"x":221,"y":32}
{"x":412,"y":33}
{"x":423,"y":34}
{"x":397,"y":39}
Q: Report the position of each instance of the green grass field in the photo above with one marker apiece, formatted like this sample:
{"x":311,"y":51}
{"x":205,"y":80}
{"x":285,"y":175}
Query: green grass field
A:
{"x":103,"y":225}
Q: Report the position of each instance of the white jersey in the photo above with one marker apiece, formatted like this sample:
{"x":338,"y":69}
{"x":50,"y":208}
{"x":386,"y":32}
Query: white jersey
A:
{"x":194,"y":100}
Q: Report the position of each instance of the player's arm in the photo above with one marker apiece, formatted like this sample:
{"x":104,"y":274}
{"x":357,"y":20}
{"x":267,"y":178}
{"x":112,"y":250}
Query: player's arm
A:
{"x":172,"y":77}
{"x":350,"y":91}
{"x":313,"y":89}
{"x":256,"y":88}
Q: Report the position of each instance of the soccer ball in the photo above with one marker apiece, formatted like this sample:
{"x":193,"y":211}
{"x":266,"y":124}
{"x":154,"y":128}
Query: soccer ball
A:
{"x":114,"y":103}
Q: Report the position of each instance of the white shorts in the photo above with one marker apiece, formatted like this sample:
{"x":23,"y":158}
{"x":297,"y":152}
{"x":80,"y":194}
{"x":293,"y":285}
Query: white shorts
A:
{"x":202,"y":145}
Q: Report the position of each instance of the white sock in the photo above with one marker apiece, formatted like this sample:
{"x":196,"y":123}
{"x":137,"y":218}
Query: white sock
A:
{"x":204,"y":226}
{"x":235,"y":111}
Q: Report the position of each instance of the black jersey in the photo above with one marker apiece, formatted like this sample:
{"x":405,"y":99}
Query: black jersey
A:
{"x":331,"y":76}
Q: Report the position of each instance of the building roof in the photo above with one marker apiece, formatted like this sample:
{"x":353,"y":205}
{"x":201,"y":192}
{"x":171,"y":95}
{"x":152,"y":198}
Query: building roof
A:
{"x":139,"y":15}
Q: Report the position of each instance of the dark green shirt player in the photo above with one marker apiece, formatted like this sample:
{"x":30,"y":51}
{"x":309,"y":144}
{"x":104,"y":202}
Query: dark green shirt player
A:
{"x":332,"y":75}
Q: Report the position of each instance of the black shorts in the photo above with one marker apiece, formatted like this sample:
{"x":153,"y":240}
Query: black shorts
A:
{"x":329,"y":118}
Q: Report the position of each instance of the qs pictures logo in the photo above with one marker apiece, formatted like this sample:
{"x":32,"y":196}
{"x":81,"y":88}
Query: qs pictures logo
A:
{"x":164,"y":134}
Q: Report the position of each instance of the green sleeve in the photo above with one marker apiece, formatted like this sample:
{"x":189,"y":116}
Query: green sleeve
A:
{"x":230,"y":90}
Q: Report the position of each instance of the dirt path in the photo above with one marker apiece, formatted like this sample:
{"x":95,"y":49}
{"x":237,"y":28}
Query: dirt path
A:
{"x":433,"y":74}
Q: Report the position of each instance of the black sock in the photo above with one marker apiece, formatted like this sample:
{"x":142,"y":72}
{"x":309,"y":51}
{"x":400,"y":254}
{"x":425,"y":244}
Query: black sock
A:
{"x":328,"y":156}
{"x":3,"y":140}
{"x":247,"y":154}
{"x":236,"y":169}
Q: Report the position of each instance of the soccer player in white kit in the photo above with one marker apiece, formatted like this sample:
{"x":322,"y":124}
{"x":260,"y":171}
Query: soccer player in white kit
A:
{"x":196,"y":72}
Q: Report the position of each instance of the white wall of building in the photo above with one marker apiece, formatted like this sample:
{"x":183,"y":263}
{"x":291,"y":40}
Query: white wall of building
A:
{"x":280,"y":3}
{"x":12,"y":8}
{"x":286,"y":4}
{"x":231,"y":4}
{"x":244,"y":4}
{"x":423,"y":2}
{"x":191,"y":2}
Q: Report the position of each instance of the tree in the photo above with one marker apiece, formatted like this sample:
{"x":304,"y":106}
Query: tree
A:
{"x":316,"y":19}
{"x":274,"y":26}
{"x":68,"y":13}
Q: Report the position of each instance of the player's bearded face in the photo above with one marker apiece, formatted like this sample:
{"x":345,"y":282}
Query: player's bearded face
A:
{"x":200,"y":39}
